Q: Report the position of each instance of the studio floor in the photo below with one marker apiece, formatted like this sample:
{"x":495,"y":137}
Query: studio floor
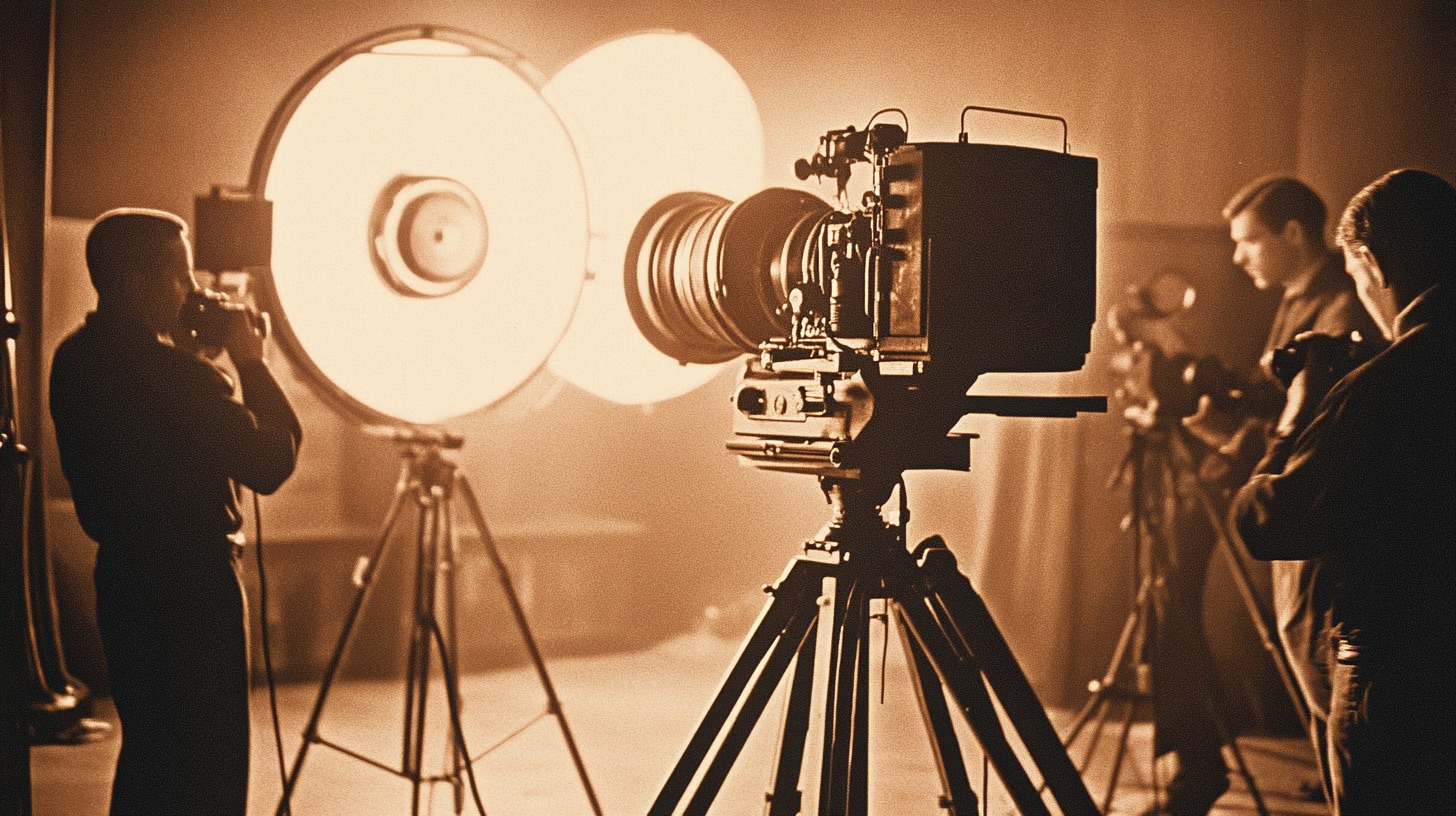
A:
{"x":631,"y":714}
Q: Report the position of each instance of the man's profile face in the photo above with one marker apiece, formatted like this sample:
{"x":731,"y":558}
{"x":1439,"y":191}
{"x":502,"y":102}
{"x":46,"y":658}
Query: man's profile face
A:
{"x":168,"y":287}
{"x":1270,"y":258}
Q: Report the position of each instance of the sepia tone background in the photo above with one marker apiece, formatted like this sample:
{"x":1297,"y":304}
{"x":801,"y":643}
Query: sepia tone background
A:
{"x":626,"y":523}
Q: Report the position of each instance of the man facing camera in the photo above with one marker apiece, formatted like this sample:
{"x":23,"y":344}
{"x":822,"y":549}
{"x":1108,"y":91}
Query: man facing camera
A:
{"x":154,"y":444}
{"x":1369,"y":489}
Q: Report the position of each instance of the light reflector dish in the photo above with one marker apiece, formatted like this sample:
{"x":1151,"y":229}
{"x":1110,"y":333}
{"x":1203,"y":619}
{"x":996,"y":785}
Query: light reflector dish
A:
{"x":651,"y":114}
{"x":429,"y":230}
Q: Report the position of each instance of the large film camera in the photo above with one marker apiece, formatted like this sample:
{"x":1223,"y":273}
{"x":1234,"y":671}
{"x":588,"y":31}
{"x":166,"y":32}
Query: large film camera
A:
{"x":868,"y":324}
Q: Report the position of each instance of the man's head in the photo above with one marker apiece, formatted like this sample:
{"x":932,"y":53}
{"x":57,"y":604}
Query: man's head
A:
{"x":1278,"y":226}
{"x":1399,"y":239}
{"x":141,"y":263}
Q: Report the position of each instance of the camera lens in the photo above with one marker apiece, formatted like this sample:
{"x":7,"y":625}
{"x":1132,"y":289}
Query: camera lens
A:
{"x":708,"y":280}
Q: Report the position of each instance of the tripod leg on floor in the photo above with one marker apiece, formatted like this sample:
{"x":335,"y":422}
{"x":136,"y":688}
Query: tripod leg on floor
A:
{"x":462,"y":487}
{"x":956,"y":794}
{"x":843,"y":784}
{"x":784,"y":797}
{"x":1240,"y":766}
{"x":967,"y":620}
{"x":791,"y":611}
{"x":748,"y":714}
{"x":961,"y":674}
{"x":365,"y":580}
{"x":1130,"y":705}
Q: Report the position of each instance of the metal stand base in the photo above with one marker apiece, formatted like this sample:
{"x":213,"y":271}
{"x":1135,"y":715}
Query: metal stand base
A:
{"x":431,"y":482}
{"x":820,"y":613}
{"x":1107,"y":692}
{"x":1158,"y":465}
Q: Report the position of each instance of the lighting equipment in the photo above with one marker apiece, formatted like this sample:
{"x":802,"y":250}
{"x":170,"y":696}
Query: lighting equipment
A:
{"x":428,"y":242}
{"x":429,"y":224}
{"x":867,"y":326}
{"x":651,"y":114}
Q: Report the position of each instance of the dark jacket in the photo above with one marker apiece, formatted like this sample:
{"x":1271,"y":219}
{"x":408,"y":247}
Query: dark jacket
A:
{"x":152,"y":440}
{"x":1370,"y":487}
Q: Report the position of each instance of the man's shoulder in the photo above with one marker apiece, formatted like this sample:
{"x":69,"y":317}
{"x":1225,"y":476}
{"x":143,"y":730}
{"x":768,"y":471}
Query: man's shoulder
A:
{"x":98,"y":354}
{"x":1418,"y":369}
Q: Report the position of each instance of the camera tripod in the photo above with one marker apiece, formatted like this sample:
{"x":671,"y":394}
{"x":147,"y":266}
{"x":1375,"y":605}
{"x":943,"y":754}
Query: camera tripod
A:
{"x":1160,"y":471}
{"x":819,"y":619}
{"x":431,"y":481}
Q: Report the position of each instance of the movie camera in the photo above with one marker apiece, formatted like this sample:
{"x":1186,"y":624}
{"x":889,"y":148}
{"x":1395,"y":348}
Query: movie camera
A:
{"x":1163,"y":380}
{"x":869,"y":322}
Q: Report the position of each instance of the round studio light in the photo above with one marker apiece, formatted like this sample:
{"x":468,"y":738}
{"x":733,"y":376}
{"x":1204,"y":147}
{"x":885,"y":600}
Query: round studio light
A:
{"x":651,"y":114}
{"x":429,"y":224}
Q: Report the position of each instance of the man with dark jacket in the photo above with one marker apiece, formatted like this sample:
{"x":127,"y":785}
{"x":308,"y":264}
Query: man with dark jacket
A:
{"x":1368,"y":490}
{"x":154,"y":445}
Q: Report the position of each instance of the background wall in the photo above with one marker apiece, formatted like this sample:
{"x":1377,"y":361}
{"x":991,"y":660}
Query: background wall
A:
{"x":1182,"y":102}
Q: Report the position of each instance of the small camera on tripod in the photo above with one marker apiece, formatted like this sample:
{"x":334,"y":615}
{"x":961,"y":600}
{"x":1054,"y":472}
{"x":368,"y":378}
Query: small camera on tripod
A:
{"x":207,"y":317}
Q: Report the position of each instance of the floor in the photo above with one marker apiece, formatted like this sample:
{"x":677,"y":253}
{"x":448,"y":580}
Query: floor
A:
{"x":630,"y":715}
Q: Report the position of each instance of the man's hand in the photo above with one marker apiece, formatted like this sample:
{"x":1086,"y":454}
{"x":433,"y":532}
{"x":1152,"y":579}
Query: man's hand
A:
{"x":1326,"y":360}
{"x":246,"y":332}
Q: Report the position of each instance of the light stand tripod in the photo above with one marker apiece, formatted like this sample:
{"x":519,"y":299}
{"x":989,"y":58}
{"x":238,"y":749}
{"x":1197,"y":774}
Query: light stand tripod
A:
{"x":820,"y":611}
{"x":1160,"y":471}
{"x":432,"y":481}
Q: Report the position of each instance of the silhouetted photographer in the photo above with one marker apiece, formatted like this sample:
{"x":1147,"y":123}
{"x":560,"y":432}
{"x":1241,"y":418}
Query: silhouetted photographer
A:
{"x":154,"y":445}
{"x":1363,"y":482}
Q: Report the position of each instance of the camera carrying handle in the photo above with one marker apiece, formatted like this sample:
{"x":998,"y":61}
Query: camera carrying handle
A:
{"x":965,"y":136}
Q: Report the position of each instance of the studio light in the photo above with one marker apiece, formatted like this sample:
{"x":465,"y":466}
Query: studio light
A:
{"x":651,"y":114}
{"x":430,"y":224}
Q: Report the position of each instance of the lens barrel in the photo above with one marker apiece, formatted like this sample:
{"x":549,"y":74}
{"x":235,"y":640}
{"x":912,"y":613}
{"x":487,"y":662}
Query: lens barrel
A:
{"x":708,"y":279}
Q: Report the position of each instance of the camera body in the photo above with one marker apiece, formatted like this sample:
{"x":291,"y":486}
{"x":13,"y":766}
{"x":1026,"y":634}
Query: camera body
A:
{"x":974,"y":257}
{"x":868,"y":324}
{"x":207,"y":317}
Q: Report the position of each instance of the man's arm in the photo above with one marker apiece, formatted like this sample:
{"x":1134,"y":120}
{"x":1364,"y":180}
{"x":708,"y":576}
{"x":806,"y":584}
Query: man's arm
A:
{"x":255,"y":442}
{"x":1294,"y":506}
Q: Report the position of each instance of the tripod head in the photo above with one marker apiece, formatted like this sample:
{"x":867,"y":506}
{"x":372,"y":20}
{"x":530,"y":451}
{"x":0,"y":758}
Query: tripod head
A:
{"x":425,"y":468}
{"x":865,"y":424}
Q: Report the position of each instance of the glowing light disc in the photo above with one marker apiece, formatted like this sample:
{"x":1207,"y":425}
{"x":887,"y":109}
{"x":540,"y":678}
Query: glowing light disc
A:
{"x":651,"y":114}
{"x":429,"y":224}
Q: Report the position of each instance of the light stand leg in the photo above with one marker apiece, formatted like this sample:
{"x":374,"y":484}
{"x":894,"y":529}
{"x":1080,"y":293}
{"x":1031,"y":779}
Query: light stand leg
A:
{"x":462,"y":486}
{"x":425,"y":477}
{"x":365,"y":580}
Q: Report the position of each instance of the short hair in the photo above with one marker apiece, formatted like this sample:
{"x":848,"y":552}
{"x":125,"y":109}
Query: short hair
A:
{"x":124,"y":243}
{"x":1407,"y":218}
{"x":1277,"y":200}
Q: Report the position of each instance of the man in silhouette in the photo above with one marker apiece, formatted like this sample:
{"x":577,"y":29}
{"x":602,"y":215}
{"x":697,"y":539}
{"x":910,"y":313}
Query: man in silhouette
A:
{"x":154,"y":445}
{"x":1367,"y":489}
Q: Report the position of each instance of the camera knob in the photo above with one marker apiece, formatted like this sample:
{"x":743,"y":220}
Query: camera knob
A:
{"x":752,"y":400}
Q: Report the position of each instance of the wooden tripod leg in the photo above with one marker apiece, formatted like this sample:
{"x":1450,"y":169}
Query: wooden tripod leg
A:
{"x":956,"y":794}
{"x":962,"y":675}
{"x":788,"y":616}
{"x":968,"y":622}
